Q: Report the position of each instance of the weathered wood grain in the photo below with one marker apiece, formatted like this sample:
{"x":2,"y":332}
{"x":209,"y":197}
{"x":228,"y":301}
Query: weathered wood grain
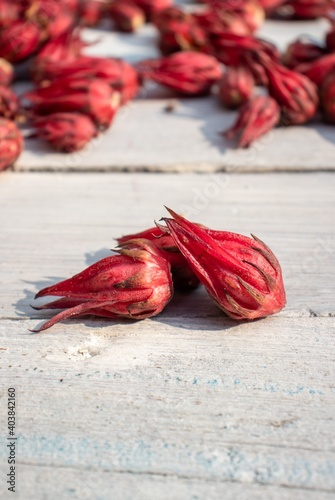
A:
{"x":189,"y":404}
{"x":207,"y":401}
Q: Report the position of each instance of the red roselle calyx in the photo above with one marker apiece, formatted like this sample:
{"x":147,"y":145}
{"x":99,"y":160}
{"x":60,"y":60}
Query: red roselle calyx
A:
{"x":135,"y":284}
{"x":120,"y":75}
{"x":310,"y":9}
{"x":189,"y":73}
{"x":178,"y":35}
{"x":300,"y":52}
{"x":19,"y":41}
{"x":90,"y":12}
{"x":217,"y":21}
{"x":270,"y":5}
{"x":330,"y":40}
{"x":249,"y":11}
{"x":256,"y":117}
{"x":11,"y":143}
{"x":152,"y":7}
{"x":182,"y":275}
{"x":50,"y":16}
{"x":327,"y":98}
{"x":65,"y":132}
{"x":296,"y":94}
{"x":318,"y":69}
{"x":241,"y":274}
{"x":127,"y":16}
{"x":93,"y":98}
{"x":6,"y":72}
{"x":236,"y":86}
{"x":61,"y":50}
{"x":236,"y":50}
{"x":9,"y":103}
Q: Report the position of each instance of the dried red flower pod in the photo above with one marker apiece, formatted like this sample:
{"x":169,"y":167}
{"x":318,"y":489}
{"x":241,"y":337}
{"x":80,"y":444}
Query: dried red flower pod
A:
{"x":330,"y":40}
{"x":90,"y":12}
{"x":189,"y":73}
{"x":127,"y":16}
{"x":236,"y":86}
{"x":241,"y":274}
{"x":256,"y":117}
{"x":93,"y":98}
{"x":236,"y":50}
{"x":300,"y":52}
{"x":10,"y":12}
{"x":181,"y":35}
{"x":50,"y":16}
{"x":11,"y":143}
{"x":65,"y":132}
{"x":310,"y":9}
{"x":151,"y":7}
{"x":296,"y":94}
{"x":327,"y":98}
{"x":163,"y":17}
{"x":318,"y":70}
{"x":9,"y":103}
{"x":19,"y":41}
{"x":64,"y":48}
{"x":249,"y":11}
{"x":182,"y":275}
{"x":271,"y":5}
{"x":117,"y":73}
{"x":136,"y":284}
{"x":6,"y":72}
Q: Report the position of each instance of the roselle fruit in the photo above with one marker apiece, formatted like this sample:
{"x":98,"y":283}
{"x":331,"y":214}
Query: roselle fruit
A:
{"x":249,"y":11}
{"x":93,"y":98}
{"x":63,"y":50}
{"x":300,"y":52}
{"x":183,"y":277}
{"x":127,"y":16}
{"x":236,"y":86}
{"x":51,"y":17}
{"x":318,"y":70}
{"x":179,"y":35}
{"x":327,"y":98}
{"x":189,"y":73}
{"x":310,"y":9}
{"x":9,"y":103}
{"x":11,"y":143}
{"x":66,"y":132}
{"x":118,"y":74}
{"x":152,"y":7}
{"x":295,"y":93}
{"x":241,"y":274}
{"x":135,"y":284}
{"x":10,"y":12}
{"x":19,"y":40}
{"x":255,"y":118}
{"x":330,"y":40}
{"x":236,"y":50}
{"x":90,"y":12}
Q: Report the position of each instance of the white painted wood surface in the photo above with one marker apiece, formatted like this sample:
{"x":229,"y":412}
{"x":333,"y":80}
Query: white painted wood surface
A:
{"x":189,"y":404}
{"x":188,"y":139}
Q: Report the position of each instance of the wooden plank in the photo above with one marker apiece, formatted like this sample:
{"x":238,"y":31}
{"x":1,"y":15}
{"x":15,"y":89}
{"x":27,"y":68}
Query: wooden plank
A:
{"x":204,"y":400}
{"x":187,"y":402}
{"x":188,"y":139}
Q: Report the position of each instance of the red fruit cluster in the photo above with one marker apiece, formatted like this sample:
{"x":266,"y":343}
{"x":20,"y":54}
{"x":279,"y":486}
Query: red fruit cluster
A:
{"x":208,"y":49}
{"x":241,"y":274}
